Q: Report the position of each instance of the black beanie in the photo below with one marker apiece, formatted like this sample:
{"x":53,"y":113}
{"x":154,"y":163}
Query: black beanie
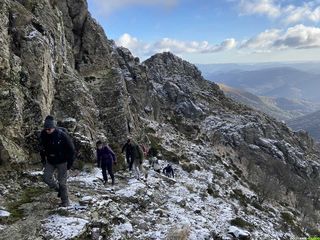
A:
{"x":49,"y":122}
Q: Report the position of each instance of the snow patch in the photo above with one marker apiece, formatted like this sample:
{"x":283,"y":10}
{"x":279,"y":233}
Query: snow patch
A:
{"x":87,"y":179}
{"x":35,"y":173}
{"x":122,"y":230}
{"x":237,"y":232}
{"x":32,"y":34}
{"x":4,"y":213}
{"x":64,"y":227}
{"x":131,"y":190}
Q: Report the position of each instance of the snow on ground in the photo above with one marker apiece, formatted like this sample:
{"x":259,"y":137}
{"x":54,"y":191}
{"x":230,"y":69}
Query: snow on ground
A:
{"x":88,"y":179}
{"x":131,"y":189}
{"x":121,"y":230}
{"x":4,"y":213}
{"x":166,"y":204}
{"x":35,"y":173}
{"x":60,"y":227}
{"x":237,"y":232}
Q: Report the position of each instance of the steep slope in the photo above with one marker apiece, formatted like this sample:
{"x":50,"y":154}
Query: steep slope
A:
{"x":309,"y":123}
{"x":56,"y":59}
{"x":281,"y":108}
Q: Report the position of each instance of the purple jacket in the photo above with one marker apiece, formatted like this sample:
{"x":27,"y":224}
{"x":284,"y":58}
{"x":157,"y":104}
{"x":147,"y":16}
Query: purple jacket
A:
{"x":105,"y":156}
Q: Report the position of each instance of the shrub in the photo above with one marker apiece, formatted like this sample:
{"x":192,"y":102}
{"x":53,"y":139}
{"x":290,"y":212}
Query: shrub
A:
{"x":239,"y":222}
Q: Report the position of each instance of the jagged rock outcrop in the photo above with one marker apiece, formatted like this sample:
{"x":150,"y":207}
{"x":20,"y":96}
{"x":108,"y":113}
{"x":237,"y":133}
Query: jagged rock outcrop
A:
{"x":56,"y":59}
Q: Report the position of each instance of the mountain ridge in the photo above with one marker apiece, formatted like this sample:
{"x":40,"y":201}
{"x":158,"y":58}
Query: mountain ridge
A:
{"x":273,"y":82}
{"x":282,"y":109}
{"x":309,"y":123}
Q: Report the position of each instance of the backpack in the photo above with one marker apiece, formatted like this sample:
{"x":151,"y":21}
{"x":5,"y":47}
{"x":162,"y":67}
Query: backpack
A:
{"x":62,"y":129}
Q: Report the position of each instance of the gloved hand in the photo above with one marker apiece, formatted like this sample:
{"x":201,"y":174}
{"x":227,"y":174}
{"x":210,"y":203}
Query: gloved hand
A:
{"x":43,"y":160}
{"x":69,"y":165}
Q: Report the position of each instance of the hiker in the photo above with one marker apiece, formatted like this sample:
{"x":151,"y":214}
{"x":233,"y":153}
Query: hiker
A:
{"x":144,"y":149}
{"x":168,"y":171}
{"x":137,"y":160}
{"x":154,"y":162}
{"x":129,"y":157}
{"x":105,"y":160}
{"x":57,"y":153}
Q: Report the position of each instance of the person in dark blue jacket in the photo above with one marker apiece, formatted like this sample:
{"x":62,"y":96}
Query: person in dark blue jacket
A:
{"x":105,"y":160}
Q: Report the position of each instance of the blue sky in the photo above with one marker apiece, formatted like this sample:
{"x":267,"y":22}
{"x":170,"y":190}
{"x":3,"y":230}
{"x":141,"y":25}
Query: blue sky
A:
{"x":214,"y":31}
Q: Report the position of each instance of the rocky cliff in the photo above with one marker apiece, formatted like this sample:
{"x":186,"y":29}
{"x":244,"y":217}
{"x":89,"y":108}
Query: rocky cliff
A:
{"x":56,"y":59}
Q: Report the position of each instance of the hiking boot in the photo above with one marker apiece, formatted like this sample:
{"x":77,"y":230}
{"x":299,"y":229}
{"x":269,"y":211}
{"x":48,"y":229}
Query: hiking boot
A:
{"x":64,"y":204}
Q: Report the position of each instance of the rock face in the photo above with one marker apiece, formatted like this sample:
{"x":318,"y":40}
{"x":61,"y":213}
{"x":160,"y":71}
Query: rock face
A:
{"x":56,"y":59}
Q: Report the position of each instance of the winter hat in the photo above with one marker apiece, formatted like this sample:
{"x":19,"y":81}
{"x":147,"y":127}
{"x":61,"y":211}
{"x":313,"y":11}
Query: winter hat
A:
{"x":49,"y":122}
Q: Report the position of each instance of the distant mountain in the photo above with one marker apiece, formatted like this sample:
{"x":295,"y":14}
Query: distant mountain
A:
{"x":206,"y":69}
{"x":282,"y":82}
{"x":309,"y":123}
{"x":280,"y":108}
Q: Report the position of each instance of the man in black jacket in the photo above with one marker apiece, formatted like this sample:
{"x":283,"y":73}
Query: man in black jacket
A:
{"x":129,"y":155}
{"x":57,"y":152}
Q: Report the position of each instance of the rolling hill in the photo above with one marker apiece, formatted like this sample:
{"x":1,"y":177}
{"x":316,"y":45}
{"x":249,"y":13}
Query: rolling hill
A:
{"x":280,"y":108}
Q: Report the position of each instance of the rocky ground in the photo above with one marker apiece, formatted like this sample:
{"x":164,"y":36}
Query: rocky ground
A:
{"x":210,"y":203}
{"x":159,"y":208}
{"x":210,"y":198}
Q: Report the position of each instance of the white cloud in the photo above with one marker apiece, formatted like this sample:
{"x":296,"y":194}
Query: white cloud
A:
{"x":261,"y":7}
{"x":307,"y":12}
{"x":178,"y":47}
{"x":105,"y":7}
{"x":132,"y":43}
{"x":263,"y":40}
{"x":276,"y":9}
{"x":297,"y":37}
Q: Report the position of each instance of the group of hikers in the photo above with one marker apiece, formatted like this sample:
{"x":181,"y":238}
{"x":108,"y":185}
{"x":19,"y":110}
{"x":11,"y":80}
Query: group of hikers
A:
{"x":57,"y":152}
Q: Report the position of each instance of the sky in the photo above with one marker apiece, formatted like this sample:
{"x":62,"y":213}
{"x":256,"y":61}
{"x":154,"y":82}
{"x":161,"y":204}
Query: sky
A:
{"x":214,"y":31}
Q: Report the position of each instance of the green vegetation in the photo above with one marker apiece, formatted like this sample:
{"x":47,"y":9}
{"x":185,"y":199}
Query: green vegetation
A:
{"x":237,"y":194}
{"x":27,"y":196}
{"x":239,"y":222}
{"x":60,"y":211}
{"x":288,"y":218}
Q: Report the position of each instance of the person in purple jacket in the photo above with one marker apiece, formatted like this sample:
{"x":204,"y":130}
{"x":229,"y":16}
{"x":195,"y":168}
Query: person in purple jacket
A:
{"x":105,"y":160}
